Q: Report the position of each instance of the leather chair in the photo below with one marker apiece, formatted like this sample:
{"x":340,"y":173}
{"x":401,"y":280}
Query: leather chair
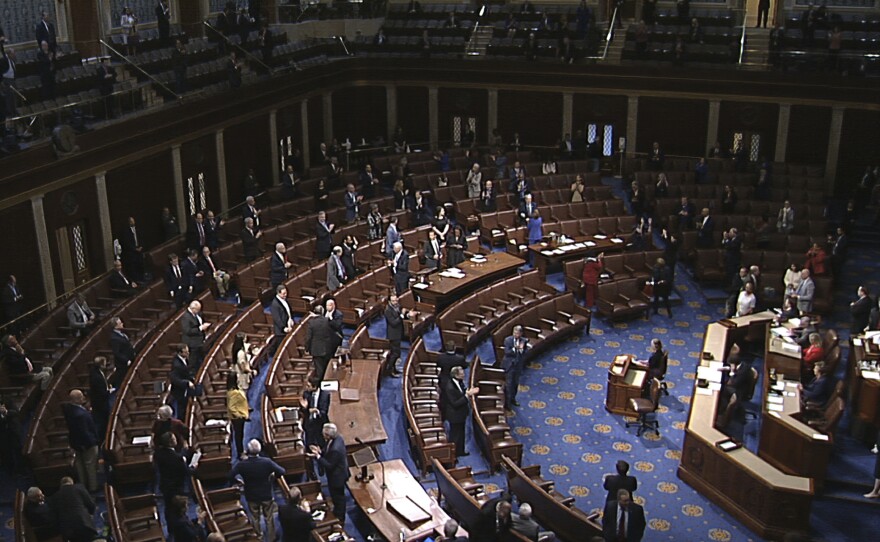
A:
{"x":645,"y":407}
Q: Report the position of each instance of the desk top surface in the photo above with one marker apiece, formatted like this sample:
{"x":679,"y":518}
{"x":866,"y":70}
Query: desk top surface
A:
{"x":495,"y":262}
{"x":587,"y":243}
{"x":361,"y":418}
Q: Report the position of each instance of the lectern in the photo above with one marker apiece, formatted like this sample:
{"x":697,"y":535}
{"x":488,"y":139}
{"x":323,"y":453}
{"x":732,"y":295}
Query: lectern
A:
{"x":626,"y":380}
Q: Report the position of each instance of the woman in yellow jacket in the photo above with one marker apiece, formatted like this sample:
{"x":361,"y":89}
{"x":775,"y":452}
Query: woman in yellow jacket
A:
{"x":237,"y":409}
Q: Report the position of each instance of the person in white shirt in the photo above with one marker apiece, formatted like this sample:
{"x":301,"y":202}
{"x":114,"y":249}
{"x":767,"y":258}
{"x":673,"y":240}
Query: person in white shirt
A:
{"x":745,"y":303}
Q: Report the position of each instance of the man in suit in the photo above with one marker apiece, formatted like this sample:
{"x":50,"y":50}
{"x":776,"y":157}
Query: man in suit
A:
{"x":332,"y":458}
{"x":523,"y":523}
{"x":623,"y":520}
{"x":686,"y":214}
{"x":656,"y":157}
{"x":446,"y":361}
{"x":785,"y":218}
{"x":258,"y":473}
{"x":394,"y":317}
{"x":192,"y":333}
{"x":279,"y":265}
{"x":173,"y":468}
{"x":197,"y":234}
{"x":456,"y":408}
{"x":250,"y":240}
{"x":433,"y":253}
{"x":72,"y":510}
{"x":450,"y":530}
{"x":349,"y":249}
{"x":392,"y":235}
{"x":163,"y":20}
{"x":369,"y":182}
{"x":399,"y":264}
{"x":861,"y":311}
{"x":45,"y":31}
{"x":106,"y":77}
{"x":213,"y":268}
{"x":251,"y":211}
{"x":12,"y":299}
{"x":212,"y":230}
{"x":176,"y":281}
{"x":335,"y":317}
{"x":99,"y":395}
{"x":123,"y":351}
{"x":731,"y":242}
{"x":526,"y":208}
{"x":195,"y":276}
{"x":352,"y":203}
{"x":38,"y":514}
{"x":132,"y":251}
{"x":282,"y":318}
{"x":79,"y":316}
{"x":18,"y":363}
{"x":495,"y":523}
{"x":515,"y":348}
{"x":319,"y":341}
{"x":737,"y":385}
{"x":83,"y":438}
{"x":315,"y":406}
{"x":289,"y":183}
{"x":182,"y":376}
{"x":615,"y":482}
{"x":296,"y":519}
{"x":803,"y":294}
{"x":705,"y":230}
{"x":324,"y":232}
{"x":336,"y":276}
{"x":119,"y":283}
{"x":838,"y":252}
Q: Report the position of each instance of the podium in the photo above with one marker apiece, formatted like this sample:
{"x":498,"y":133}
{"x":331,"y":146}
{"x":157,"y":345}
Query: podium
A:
{"x":626,"y":380}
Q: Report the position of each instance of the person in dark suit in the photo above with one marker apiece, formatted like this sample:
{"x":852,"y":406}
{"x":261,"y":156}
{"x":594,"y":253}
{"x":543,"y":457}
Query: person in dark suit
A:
{"x":732,"y":245}
{"x":212,"y":230}
{"x":120,"y":284}
{"x":71,"y":510}
{"x":11,"y":433}
{"x":495,"y":522}
{"x":686,"y":214}
{"x":99,"y":395}
{"x":335,"y":317}
{"x":399,"y":264}
{"x":319,"y":341}
{"x":819,"y":389}
{"x":106,"y":78}
{"x":315,"y":406}
{"x":132,"y":251}
{"x":394,"y":317}
{"x":195,"y":276}
{"x":736,"y":385}
{"x":447,"y":360}
{"x":615,"y":482}
{"x":368,"y":182}
{"x":705,"y":230}
{"x":123,"y":351}
{"x":289,"y":183}
{"x":38,"y":514}
{"x":279,"y":265}
{"x":45,"y":31}
{"x":515,"y":348}
{"x":662,"y":277}
{"x":180,"y":526}
{"x":18,"y":363}
{"x":456,"y":408}
{"x":192,"y":333}
{"x":83,"y":438}
{"x":173,"y":468}
{"x":46,"y":68}
{"x":212,"y":271}
{"x":623,"y":520}
{"x":163,"y":21}
{"x":861,"y":311}
{"x":392,"y":235}
{"x":258,"y":473}
{"x":181,"y":376}
{"x":332,"y":458}
{"x":324,"y":233}
{"x":251,"y":211}
{"x":349,"y":249}
{"x":282,"y":318}
{"x":433,"y":252}
{"x":176,"y":281}
{"x":197,"y":234}
{"x":12,"y":299}
{"x":839,"y":249}
{"x":296,"y":519}
{"x":656,"y":158}
{"x":250,"y":240}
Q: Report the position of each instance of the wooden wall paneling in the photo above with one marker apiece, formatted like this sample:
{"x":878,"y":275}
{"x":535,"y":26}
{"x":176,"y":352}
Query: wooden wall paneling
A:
{"x":85,"y":26}
{"x":752,"y":117}
{"x":412,"y":113}
{"x":858,"y":147}
{"x":75,"y":205}
{"x":808,"y":129}
{"x":141,"y":189}
{"x":247,"y":146}
{"x":22,"y":253}
{"x":359,"y":112}
{"x":537,"y":116}
{"x":316,"y":128}
{"x":678,"y":125}
{"x":200,"y":156}
{"x":191,"y":18}
{"x":465,"y":102}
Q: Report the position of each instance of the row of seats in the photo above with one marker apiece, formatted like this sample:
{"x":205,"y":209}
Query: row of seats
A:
{"x":619,"y":266}
{"x":691,"y":52}
{"x":491,"y":428}
{"x":725,"y":165}
{"x":623,"y":299}
{"x":745,"y":193}
{"x":865,"y":21}
{"x":719,"y":35}
{"x":621,"y":227}
{"x":806,"y":215}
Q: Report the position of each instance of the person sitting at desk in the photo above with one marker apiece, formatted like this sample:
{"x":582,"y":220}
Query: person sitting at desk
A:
{"x":819,"y":389}
{"x":736,"y":386}
{"x":789,"y":311}
{"x":814,"y":353}
{"x":801,"y":334}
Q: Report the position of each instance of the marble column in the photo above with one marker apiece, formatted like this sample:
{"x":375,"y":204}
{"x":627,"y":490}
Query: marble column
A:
{"x":179,"y":191}
{"x":43,"y":248}
{"x":712,"y":126}
{"x":833,"y":146}
{"x":433,"y":116}
{"x":221,"y":170}
{"x":274,"y":150}
{"x":104,"y":217}
{"x":567,"y":113}
{"x":782,"y":132}
{"x":632,"y":122}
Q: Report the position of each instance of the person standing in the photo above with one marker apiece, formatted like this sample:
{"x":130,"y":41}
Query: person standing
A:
{"x":623,"y":520}
{"x":182,"y":376}
{"x":163,"y":20}
{"x":99,"y":395}
{"x":279,"y":269}
{"x":804,"y":292}
{"x":83,"y":438}
{"x":71,"y":509}
{"x":296,"y":519}
{"x":456,"y":245}
{"x":332,"y":458}
{"x":456,"y":408}
{"x":319,"y":341}
{"x":662,"y":277}
{"x":12,"y":300}
{"x":399,"y":264}
{"x":173,"y":468}
{"x":258,"y":473}
{"x":861,"y":311}
{"x":123,"y":351}
{"x":315,"y":405}
{"x":622,"y":480}
{"x":394,"y":317}
{"x":324,"y":240}
{"x":46,"y":67}
{"x":282,"y":319}
{"x":237,"y":410}
{"x":593,"y":267}
{"x":192,"y":333}
{"x":515,"y":348}
{"x":336,"y":275}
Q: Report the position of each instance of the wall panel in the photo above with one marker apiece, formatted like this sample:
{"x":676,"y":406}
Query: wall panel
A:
{"x":749,"y":117}
{"x":412,"y":113}
{"x":359,"y":112}
{"x":200,"y":156}
{"x":316,"y":128}
{"x":466,"y":103}
{"x":23,"y":256}
{"x":600,"y":110}
{"x":141,"y":189}
{"x":247,"y":146}
{"x":808,"y":130}
{"x":858,"y":147}
{"x":678,"y":125}
{"x":537,"y":116}
{"x":75,"y":205}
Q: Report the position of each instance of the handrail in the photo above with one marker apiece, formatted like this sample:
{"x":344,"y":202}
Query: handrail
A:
{"x":51,"y":304}
{"x":138,"y":68}
{"x":742,"y":42}
{"x":610,"y":35}
{"x":239,"y":47}
{"x":72,"y":104}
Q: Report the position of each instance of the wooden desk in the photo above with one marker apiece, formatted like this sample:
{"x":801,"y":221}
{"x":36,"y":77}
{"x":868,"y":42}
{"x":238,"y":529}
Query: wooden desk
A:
{"x":373,"y":501}
{"x":864,"y":394}
{"x":626,"y":381}
{"x":442,"y":291}
{"x":781,"y":355}
{"x":361,"y":418}
{"x":544,"y":262}
{"x":765,"y":499}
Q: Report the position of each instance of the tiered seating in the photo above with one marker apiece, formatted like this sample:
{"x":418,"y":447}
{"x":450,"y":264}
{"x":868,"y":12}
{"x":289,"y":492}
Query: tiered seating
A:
{"x":622,"y":299}
{"x":330,"y":524}
{"x":619,"y":266}
{"x":421,"y":405}
{"x":549,"y":506}
{"x":860,"y":37}
{"x":134,"y":519}
{"x":225,"y":513}
{"x":491,"y":430}
{"x":718,"y":43}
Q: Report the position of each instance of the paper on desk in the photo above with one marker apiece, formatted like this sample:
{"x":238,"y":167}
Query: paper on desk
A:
{"x":774,"y":399}
{"x":857,"y":342}
{"x":711,"y":375}
{"x":791,"y":384}
{"x":330,"y":385}
{"x":780,"y":331}
{"x":589,"y":244}
{"x":820,"y":436}
{"x":145,"y":440}
{"x":871,"y":375}
{"x":790,"y":394}
{"x":793,"y":348}
{"x":715,"y":386}
{"x":547,"y":252}
{"x":420,"y":285}
{"x":599,"y":236}
{"x":716,"y":365}
{"x":779,"y":386}
{"x":774,"y":408}
{"x":616,"y":241}
{"x":216,"y":423}
{"x":704,"y":391}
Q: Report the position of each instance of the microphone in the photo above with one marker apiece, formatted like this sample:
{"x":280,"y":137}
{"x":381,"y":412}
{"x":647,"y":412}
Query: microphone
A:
{"x":364,"y":476}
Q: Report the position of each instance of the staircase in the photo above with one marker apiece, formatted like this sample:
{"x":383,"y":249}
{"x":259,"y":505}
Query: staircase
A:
{"x":755,"y":54}
{"x":479,"y":41}
{"x":615,"y":49}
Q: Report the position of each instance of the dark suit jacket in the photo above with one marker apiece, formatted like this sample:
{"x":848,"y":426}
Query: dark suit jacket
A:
{"x":511,"y":356}
{"x":336,"y":325}
{"x":393,"y":323}
{"x":335,"y":463}
{"x":123,"y":351}
{"x":402,"y":267}
{"x":616,"y":482}
{"x":446,"y":361}
{"x":127,"y":241}
{"x":705,"y":232}
{"x":190,"y":270}
{"x":277,"y":273}
{"x":205,"y":267}
{"x":15,"y":361}
{"x":72,"y":508}
{"x":99,"y":394}
{"x":181,"y":375}
{"x":279,"y":317}
{"x":741,"y":382}
{"x":118,"y":282}
{"x":861,"y":312}
{"x":324,"y":239}
{"x":635,"y":527}
{"x":175,"y":285}
{"x":319,"y":337}
{"x":296,"y":525}
{"x":819,"y":390}
{"x":173,"y":471}
{"x":323,"y":407}
{"x":190,"y":334}
{"x":211,"y":234}
{"x":249,"y":243}
{"x":246,"y":212}
{"x":256,"y":472}
{"x":46,"y":34}
{"x":455,"y":402}
{"x":193,"y":240}
{"x":83,"y":433}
